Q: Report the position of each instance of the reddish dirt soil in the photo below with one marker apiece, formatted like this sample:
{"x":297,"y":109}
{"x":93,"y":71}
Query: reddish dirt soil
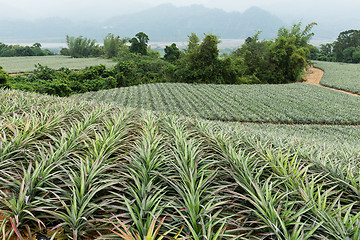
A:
{"x":314,"y":75}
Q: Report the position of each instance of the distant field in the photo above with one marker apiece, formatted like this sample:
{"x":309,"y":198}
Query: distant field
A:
{"x":27,"y":64}
{"x":290,"y":103}
{"x":342,"y":76}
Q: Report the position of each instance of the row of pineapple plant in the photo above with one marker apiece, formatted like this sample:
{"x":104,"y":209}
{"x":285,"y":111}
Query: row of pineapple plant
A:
{"x":80,"y":170}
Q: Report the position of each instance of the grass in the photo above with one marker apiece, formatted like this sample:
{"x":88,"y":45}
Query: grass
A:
{"x":290,"y":103}
{"x":88,"y":169}
{"x":27,"y":64}
{"x":344,"y":76}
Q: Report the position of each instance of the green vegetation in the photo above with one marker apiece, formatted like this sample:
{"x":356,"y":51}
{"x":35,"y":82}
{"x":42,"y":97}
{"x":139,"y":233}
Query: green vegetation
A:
{"x":341,"y":76}
{"x":82,"y":168}
{"x":139,"y":43}
{"x":113,"y":45}
{"x":64,"y":81}
{"x":346,"y":48}
{"x":81,"y":47}
{"x":17,"y":50}
{"x":27,"y":64}
{"x":280,"y":61}
{"x":290,"y":103}
{"x":3,"y":77}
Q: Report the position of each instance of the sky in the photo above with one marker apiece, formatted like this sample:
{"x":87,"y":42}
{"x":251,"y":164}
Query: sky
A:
{"x":329,"y":14}
{"x":32,"y":9}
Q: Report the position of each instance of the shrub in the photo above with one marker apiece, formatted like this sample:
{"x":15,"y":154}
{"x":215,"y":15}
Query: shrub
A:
{"x":3,"y":77}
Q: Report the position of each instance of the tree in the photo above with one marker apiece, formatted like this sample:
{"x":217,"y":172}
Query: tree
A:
{"x":255,"y":57}
{"x":202,"y":63}
{"x":3,"y":77}
{"x":345,"y":45}
{"x":279,"y":61}
{"x":302,"y":37}
{"x":289,"y":53}
{"x":288,"y":60}
{"x":81,"y":47}
{"x":172,"y":53}
{"x":113,"y":45}
{"x":139,"y":43}
{"x":194,"y":42}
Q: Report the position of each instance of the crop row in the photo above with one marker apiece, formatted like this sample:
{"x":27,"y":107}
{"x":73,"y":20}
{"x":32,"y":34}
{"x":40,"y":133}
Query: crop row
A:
{"x":344,"y":76}
{"x":27,"y":64}
{"x":87,"y":170}
{"x":290,"y":103}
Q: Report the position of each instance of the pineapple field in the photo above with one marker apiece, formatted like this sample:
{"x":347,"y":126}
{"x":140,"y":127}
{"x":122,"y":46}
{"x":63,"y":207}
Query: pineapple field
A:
{"x":263,"y":103}
{"x":27,"y":64}
{"x":76,"y":169}
{"x":343,"y":76}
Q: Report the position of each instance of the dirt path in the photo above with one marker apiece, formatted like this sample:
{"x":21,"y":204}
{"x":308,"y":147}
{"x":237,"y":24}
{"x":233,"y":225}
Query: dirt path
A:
{"x":314,"y":75}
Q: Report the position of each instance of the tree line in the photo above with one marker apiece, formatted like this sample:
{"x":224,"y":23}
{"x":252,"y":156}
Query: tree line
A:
{"x":345,"y":49}
{"x":277,"y":61}
{"x":17,"y":50}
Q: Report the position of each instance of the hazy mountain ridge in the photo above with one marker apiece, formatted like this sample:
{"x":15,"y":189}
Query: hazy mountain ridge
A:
{"x":167,"y":22}
{"x":162,"y":23}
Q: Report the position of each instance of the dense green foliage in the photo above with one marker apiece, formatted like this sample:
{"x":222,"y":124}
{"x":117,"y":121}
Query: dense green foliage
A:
{"x":82,"y":47}
{"x":113,"y":45}
{"x":17,"y":50}
{"x":64,"y":81}
{"x":172,"y":53}
{"x":346,"y":48}
{"x":3,"y":77}
{"x":279,"y":61}
{"x":324,"y":53}
{"x":73,"y":166}
{"x":130,"y":70}
{"x":344,"y":76}
{"x":201,"y":63}
{"x":139,"y":43}
{"x":290,"y":103}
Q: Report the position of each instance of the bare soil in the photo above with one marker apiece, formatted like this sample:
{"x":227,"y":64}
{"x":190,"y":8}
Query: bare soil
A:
{"x":314,"y":75}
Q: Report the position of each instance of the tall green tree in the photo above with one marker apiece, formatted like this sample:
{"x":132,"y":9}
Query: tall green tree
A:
{"x":172,"y":53}
{"x":345,"y":46}
{"x":139,"y":43}
{"x":254,"y":55}
{"x":193,"y":43}
{"x":288,"y":61}
{"x":3,"y":77}
{"x":201,"y":63}
{"x":82,"y":47}
{"x":279,"y":61}
{"x":113,"y":45}
{"x":301,"y":37}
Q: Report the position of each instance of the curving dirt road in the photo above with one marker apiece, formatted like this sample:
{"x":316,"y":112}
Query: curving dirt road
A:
{"x":314,"y":75}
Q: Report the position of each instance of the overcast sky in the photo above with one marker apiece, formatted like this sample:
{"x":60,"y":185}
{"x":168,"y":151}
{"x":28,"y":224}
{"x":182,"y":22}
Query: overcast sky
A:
{"x":343,"y":13}
{"x":101,"y":8}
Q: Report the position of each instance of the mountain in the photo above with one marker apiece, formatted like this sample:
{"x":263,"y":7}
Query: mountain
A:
{"x":162,"y":23}
{"x":169,"y":23}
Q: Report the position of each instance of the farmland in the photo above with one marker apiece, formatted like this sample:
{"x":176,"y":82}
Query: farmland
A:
{"x":291,"y":103}
{"x":74,"y":165}
{"x":344,"y":76}
{"x":27,"y":64}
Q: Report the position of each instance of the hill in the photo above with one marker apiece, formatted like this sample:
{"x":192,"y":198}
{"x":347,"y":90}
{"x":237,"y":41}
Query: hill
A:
{"x":167,"y":22}
{"x":162,"y":23}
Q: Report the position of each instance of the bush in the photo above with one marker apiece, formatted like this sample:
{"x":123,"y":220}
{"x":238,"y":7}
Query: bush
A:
{"x":3,"y":78}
